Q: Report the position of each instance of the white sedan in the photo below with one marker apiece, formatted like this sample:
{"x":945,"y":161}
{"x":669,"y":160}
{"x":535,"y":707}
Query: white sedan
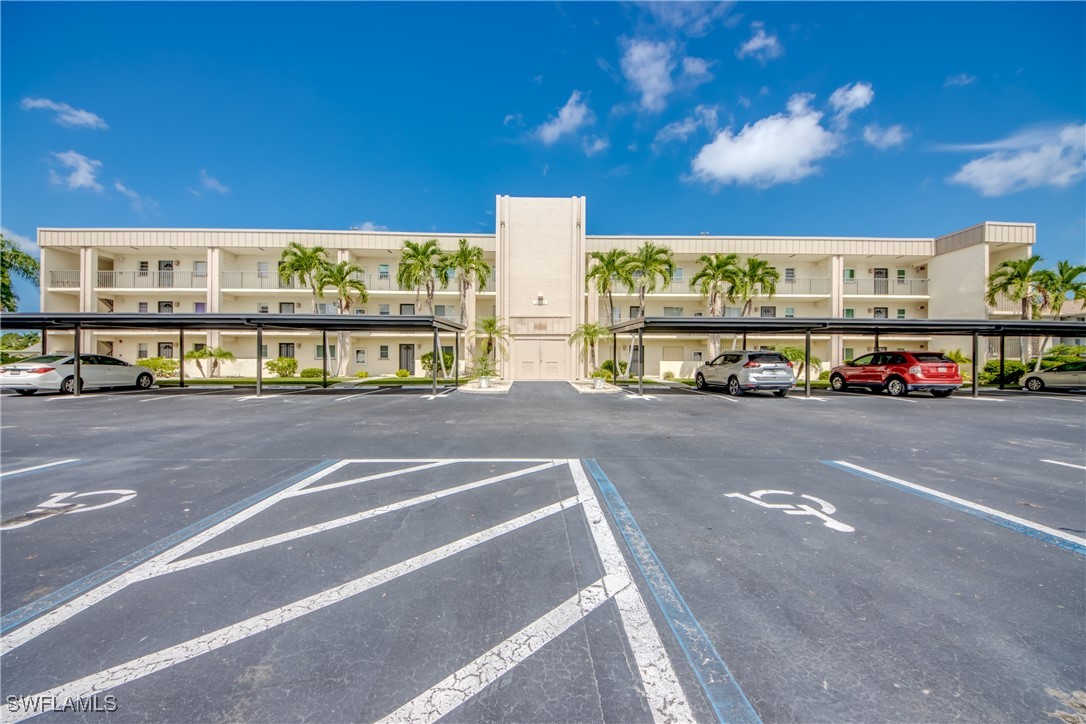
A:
{"x":56,"y":373}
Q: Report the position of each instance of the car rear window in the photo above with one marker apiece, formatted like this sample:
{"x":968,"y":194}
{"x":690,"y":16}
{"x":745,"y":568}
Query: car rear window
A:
{"x":770,"y":358}
{"x":931,"y":357}
{"x":44,"y":359}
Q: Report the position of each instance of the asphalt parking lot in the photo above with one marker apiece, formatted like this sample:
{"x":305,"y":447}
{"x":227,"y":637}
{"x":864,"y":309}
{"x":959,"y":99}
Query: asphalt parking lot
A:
{"x":331,"y":555}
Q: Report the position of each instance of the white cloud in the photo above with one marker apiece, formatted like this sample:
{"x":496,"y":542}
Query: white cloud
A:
{"x":513,"y":119}
{"x":370,"y":226}
{"x":647,"y":65}
{"x":761,"y":46}
{"x":744,"y":101}
{"x":212,"y":184}
{"x":694,"y":19}
{"x":848,"y":99}
{"x":961,"y":79}
{"x":65,"y":114}
{"x":704,"y":117}
{"x":83,"y":172}
{"x":571,"y":116}
{"x":22,"y":242}
{"x":1027,"y":161}
{"x":884,"y":138}
{"x":696,"y":70}
{"x":595,"y":144}
{"x":608,"y":69}
{"x":782,"y":148}
{"x":139,"y":203}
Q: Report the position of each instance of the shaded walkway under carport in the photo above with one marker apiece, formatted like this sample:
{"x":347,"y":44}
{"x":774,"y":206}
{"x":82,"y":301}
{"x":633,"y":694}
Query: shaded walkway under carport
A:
{"x":975,"y":328}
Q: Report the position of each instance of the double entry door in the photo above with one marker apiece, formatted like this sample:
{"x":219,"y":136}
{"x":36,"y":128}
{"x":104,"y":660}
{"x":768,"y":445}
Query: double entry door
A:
{"x":540,"y":359}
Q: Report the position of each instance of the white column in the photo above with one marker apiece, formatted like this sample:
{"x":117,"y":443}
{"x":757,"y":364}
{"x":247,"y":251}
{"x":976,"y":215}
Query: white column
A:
{"x":88,"y":298}
{"x":214,"y":292}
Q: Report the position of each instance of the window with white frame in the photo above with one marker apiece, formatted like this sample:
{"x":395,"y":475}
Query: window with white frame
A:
{"x":789,"y":311}
{"x":882,"y":313}
{"x":319,"y":352}
{"x":900,"y":276}
{"x":199,"y":307}
{"x":850,"y":275}
{"x":789,"y":274}
{"x":382,"y":271}
{"x":145,"y":267}
{"x":901,"y":314}
{"x":383,"y":352}
{"x":262,"y":309}
{"x":360,"y":356}
{"x":673,"y":311}
{"x":141,"y":307}
{"x":165,"y":349}
{"x":165,"y":307}
{"x":769,"y":311}
{"x":326,"y":308}
{"x":383,"y":309}
{"x":263,"y":351}
{"x":850,"y":313}
{"x":141,"y":350}
{"x":199,"y":269}
{"x":262,"y":270}
{"x":679,"y":274}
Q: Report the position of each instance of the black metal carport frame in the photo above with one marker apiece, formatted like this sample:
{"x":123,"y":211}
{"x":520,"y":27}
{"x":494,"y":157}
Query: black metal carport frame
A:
{"x":745,"y":325}
{"x":324,"y":323}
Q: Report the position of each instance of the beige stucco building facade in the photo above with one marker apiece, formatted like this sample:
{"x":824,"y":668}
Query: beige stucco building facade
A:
{"x":539,"y":252}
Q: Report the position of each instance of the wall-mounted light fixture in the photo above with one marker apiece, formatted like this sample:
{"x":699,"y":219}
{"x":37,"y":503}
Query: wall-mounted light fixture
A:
{"x":539,"y":300}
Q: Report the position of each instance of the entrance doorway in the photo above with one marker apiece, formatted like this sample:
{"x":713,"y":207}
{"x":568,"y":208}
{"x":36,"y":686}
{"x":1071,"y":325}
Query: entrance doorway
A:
{"x":407,"y":357}
{"x":541,"y":359}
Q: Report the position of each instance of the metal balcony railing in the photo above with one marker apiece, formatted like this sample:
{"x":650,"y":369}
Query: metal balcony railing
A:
{"x":1005,"y":304}
{"x":151,"y":280}
{"x":257,"y":280}
{"x":64,"y":279}
{"x":890,"y":287}
{"x":796,"y":285}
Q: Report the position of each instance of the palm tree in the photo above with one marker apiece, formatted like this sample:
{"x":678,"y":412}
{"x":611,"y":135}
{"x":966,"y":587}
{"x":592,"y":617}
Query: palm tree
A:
{"x":213,"y":355}
{"x":418,"y":265}
{"x":14,"y":259}
{"x":712,"y":280}
{"x":796,"y":355}
{"x":649,"y":262}
{"x":495,"y":337}
{"x":305,"y":263}
{"x":1019,"y":281}
{"x":345,"y":279}
{"x":1057,"y":284}
{"x":469,"y":266}
{"x":610,"y":267}
{"x":757,"y":277}
{"x":589,"y":335}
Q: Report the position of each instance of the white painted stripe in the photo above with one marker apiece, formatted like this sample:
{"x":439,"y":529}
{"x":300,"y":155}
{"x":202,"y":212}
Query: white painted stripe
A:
{"x":665,"y":695}
{"x":146,"y":665}
{"x":38,"y":467}
{"x":148,"y":569}
{"x":181,"y":395}
{"x":453,"y":460}
{"x":1068,"y":465}
{"x":357,"y":394}
{"x":340,"y":522}
{"x":458,"y":687}
{"x":368,"y":478}
{"x":969,"y":504}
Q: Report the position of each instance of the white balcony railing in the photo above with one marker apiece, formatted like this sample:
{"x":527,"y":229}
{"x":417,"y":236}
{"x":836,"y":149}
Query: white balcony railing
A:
{"x":151,"y":280}
{"x":64,"y":280}
{"x":1004,"y":304}
{"x":796,"y":285}
{"x":375,"y":282}
{"x":889,"y":287}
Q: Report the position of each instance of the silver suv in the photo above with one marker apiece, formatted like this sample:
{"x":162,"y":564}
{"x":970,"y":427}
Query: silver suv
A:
{"x":743,"y":370}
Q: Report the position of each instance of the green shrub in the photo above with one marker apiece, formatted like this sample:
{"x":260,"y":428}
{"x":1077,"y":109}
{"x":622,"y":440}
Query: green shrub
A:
{"x":608,"y":366}
{"x":824,"y":375}
{"x":161,"y":366}
{"x":282,"y":366}
{"x":484,"y":367}
{"x":310,"y":372}
{"x":427,"y":362}
{"x":402,"y":373}
{"x":1012,"y":372}
{"x":361,"y":374}
{"x":669,"y":375}
{"x":5,"y":358}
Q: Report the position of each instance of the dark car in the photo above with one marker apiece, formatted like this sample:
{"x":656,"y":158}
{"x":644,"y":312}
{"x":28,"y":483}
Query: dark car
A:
{"x":899,"y":373}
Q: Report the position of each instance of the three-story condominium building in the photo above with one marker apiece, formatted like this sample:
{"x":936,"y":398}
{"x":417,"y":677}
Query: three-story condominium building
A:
{"x":540,"y":253}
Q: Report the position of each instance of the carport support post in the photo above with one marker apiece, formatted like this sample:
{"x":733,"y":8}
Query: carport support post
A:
{"x":456,"y":360}
{"x":181,"y":368}
{"x":44,"y":339}
{"x":1002,"y":349}
{"x":324,"y":358}
{"x":876,"y":341}
{"x":259,"y":360}
{"x":807,"y":364}
{"x":976,"y":355}
{"x":433,"y":369}
{"x":640,"y":360}
{"x":744,"y":340}
{"x":76,"y":387}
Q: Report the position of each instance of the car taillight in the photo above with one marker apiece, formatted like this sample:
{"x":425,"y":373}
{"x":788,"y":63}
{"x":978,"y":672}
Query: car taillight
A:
{"x":789,"y":364}
{"x":914,"y":370}
{"x":752,"y":364}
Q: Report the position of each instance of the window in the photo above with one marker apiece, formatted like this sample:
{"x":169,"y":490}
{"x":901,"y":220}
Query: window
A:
{"x":384,"y":352}
{"x":199,"y":269}
{"x":901,"y":314}
{"x":197,"y":346}
{"x":141,"y":350}
{"x":262,"y":270}
{"x":383,"y":309}
{"x":850,"y":275}
{"x":263,"y":351}
{"x":900,"y":276}
{"x":769,"y":311}
{"x":695,"y":356}
{"x":165,"y":307}
{"x":444,"y":310}
{"x":407,"y":309}
{"x":325,"y":308}
{"x":145,"y":266}
{"x":882,"y":313}
{"x":142,"y":307}
{"x":635,"y":312}
{"x":698,"y":314}
{"x":673,"y":353}
{"x":382,"y":271}
{"x":616,"y":315}
{"x":789,"y":274}
{"x":360,"y":356}
{"x":789,"y":311}
{"x":679,"y":274}
{"x":286,"y":307}
{"x":850,"y":314}
{"x":286,"y":349}
{"x":673,"y":311}
{"x":359,"y":310}
{"x":165,"y":349}
{"x":849,"y":353}
{"x":320,"y":352}
{"x":199,"y":307}
{"x":262,"y":309}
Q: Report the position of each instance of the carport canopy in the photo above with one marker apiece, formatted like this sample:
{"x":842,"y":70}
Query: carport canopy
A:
{"x":808,"y":326}
{"x":324,"y":323}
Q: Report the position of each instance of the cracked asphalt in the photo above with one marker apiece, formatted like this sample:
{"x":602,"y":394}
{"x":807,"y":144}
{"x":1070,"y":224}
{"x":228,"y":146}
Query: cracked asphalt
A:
{"x":475,"y":591}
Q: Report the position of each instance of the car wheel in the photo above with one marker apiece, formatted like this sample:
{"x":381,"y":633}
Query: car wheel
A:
{"x":837,"y":382}
{"x":67,"y":387}
{"x":26,"y":392}
{"x":733,"y":387}
{"x":896,"y":387}
{"x":942,"y":393}
{"x":780,"y":393}
{"x":1035,"y":384}
{"x":144,"y":381}
{"x":699,"y":381}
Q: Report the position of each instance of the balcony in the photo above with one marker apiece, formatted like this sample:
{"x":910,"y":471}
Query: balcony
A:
{"x":1005,"y":305}
{"x":885,"y":287}
{"x":64,"y":280}
{"x":796,"y":286}
{"x":151,"y":280}
{"x":256,"y":280}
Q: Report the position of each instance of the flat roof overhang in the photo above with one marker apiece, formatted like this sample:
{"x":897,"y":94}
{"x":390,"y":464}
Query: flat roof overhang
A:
{"x":318,"y":322}
{"x":778,"y":325}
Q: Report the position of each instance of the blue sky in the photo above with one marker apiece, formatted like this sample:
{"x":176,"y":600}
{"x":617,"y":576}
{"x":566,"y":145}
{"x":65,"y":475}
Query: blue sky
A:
{"x":773,"y":118}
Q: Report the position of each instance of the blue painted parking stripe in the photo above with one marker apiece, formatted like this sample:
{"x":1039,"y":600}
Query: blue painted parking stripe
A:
{"x":726,"y":698}
{"x":50,"y":601}
{"x":1018,"y":525}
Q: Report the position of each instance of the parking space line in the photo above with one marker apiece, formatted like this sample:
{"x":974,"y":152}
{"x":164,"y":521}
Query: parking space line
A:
{"x":367,"y":478}
{"x":715,"y":396}
{"x":1012,"y":522}
{"x":723,"y":693}
{"x":181,"y":396}
{"x":1067,"y":465}
{"x":346,"y":520}
{"x":12,"y":473}
{"x":138,"y":668}
{"x":356,"y":394}
{"x":458,"y":687}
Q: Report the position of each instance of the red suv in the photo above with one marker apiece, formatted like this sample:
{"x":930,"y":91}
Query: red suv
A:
{"x":899,"y":373}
